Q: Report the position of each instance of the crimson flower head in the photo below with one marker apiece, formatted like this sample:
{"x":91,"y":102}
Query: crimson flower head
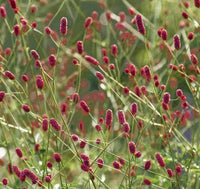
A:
{"x":147,"y":182}
{"x":19,"y":152}
{"x":114,"y":50}
{"x":57,"y":157}
{"x":3,"y":12}
{"x":26,"y":108}
{"x":132,"y":147}
{"x":55,"y":124}
{"x":116,"y":165}
{"x":79,"y":46}
{"x":84,"y":106}
{"x":2,"y":95}
{"x":134,"y":108}
{"x":100,"y":163}
{"x":109,"y":117}
{"x":92,"y":60}
{"x":34,"y":54}
{"x":140,"y":25}
{"x":63,"y":26}
{"x":99,"y":75}
{"x":88,"y":22}
{"x":178,"y":170}
{"x":166,"y":98}
{"x":170,"y":173}
{"x":45,"y":124}
{"x":147,"y":165}
{"x":121,"y":117}
{"x":160,"y":160}
{"x":39,"y":82}
{"x":194,"y":59}
{"x":13,"y":5}
{"x":52,"y":60}
{"x":197,"y":3}
{"x":4,"y":181}
{"x":10,"y":75}
{"x":164,"y":34}
{"x":177,"y":42}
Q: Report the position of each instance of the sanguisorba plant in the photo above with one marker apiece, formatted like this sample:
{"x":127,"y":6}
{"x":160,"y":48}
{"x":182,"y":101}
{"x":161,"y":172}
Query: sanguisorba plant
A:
{"x":99,"y":94}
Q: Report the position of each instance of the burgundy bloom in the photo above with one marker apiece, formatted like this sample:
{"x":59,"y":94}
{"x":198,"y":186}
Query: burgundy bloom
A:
{"x":16,"y":170}
{"x":13,"y":5}
{"x":2,"y":95}
{"x":10,"y":75}
{"x":126,"y":127}
{"x":91,"y":60}
{"x":48,"y":30}
{"x":100,"y":163}
{"x":84,"y":157}
{"x":194,"y":59}
{"x":26,"y":108}
{"x":31,"y":175}
{"x":147,"y":165}
{"x":197,"y":3}
{"x":99,"y":75}
{"x":55,"y":124}
{"x":132,"y":147}
{"x":185,"y":15}
{"x":63,"y":26}
{"x":179,"y":92}
{"x":19,"y":152}
{"x":17,"y":31}
{"x":57,"y":157}
{"x":116,"y":165}
{"x":166,"y":98}
{"x":37,"y":147}
{"x":52,"y":60}
{"x":75,"y":97}
{"x":109,"y":117}
{"x":147,"y":181}
{"x":88,"y":22}
{"x":39,"y":82}
{"x":49,"y":164}
{"x":3,"y":12}
{"x":178,"y":170}
{"x":84,"y":106}
{"x":47,"y":179}
{"x":74,"y":137}
{"x":4,"y":181}
{"x":114,"y":50}
{"x":138,"y":154}
{"x":160,"y":160}
{"x":164,"y":34}
{"x":63,"y":108}
{"x":121,"y":117}
{"x":79,"y":46}
{"x":190,"y":35}
{"x":35,"y":55}
{"x":177,"y":42}
{"x":170,"y":173}
{"x":134,"y":108}
{"x":84,"y":167}
{"x":98,"y":127}
{"x":82,"y":144}
{"x":140,"y":25}
{"x":45,"y":124}
{"x":25,"y":78}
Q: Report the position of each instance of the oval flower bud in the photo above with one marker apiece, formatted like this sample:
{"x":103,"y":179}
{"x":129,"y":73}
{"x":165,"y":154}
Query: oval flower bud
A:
{"x":63,"y":26}
{"x":140,"y":25}
{"x":84,"y":106}
{"x":132,"y":147}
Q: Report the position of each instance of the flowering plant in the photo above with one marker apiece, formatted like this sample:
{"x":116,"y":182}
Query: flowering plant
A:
{"x":96,"y":94}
